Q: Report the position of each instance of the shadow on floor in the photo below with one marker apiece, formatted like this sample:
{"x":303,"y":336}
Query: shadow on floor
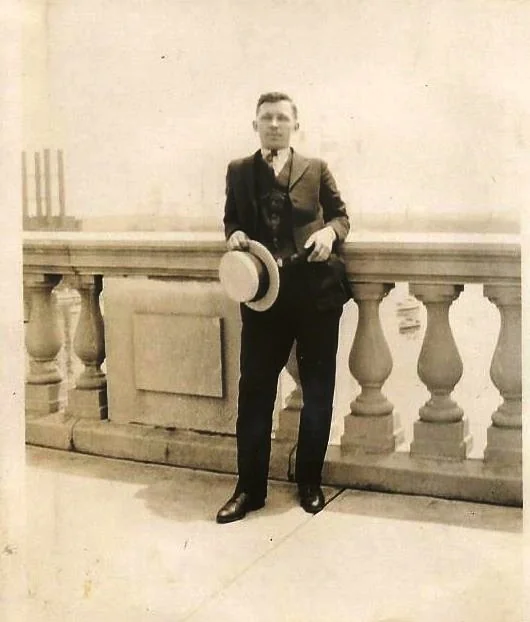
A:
{"x":179,"y":499}
{"x":430,"y":510}
{"x":186,"y":494}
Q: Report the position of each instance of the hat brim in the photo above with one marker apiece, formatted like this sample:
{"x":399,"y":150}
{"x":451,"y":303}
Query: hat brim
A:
{"x":265,"y":256}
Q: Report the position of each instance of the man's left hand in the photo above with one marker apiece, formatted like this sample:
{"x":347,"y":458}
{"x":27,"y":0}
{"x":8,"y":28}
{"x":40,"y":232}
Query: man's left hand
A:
{"x":323,"y":243}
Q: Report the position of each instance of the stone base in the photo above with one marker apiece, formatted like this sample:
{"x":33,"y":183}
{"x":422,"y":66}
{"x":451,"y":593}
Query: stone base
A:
{"x":504,"y":446}
{"x":445,"y":441}
{"x":398,"y":472}
{"x":371,"y":435}
{"x":88,"y":403}
{"x":288,"y":422}
{"x":55,"y":431}
{"x":42,"y":399}
{"x":470,"y":480}
{"x":182,"y":448}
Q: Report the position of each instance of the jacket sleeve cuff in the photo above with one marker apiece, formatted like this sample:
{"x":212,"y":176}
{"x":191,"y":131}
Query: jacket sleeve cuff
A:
{"x":337,"y":229}
{"x":229,"y":230}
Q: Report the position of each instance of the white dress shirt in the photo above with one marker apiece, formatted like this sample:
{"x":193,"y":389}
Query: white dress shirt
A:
{"x":279,"y":160}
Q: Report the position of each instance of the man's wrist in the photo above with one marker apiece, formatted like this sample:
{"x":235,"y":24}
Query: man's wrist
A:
{"x":333,"y":233}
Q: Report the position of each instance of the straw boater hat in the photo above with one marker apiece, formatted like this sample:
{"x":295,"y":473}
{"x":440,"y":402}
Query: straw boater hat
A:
{"x":250,"y":277}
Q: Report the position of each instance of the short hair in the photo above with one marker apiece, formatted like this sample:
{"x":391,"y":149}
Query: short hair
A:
{"x":276,"y":96}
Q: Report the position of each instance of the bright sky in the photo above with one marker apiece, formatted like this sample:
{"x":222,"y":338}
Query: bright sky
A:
{"x":416,"y":106}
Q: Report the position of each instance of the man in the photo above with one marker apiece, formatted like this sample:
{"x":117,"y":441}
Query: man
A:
{"x":292,"y":206}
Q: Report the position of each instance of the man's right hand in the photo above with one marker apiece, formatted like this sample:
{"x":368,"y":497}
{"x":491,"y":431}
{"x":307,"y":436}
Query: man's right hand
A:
{"x":238,"y":241}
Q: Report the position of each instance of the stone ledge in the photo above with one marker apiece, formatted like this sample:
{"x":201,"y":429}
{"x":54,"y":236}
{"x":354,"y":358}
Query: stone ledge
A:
{"x":469,"y":480}
{"x":129,"y":442}
{"x":160,"y":445}
{"x":448,"y":258}
{"x":54,"y":431}
{"x":140,"y":443}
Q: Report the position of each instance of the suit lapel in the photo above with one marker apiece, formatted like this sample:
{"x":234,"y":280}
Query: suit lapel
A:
{"x":298,"y":168}
{"x":249,"y":177}
{"x":248,"y":174}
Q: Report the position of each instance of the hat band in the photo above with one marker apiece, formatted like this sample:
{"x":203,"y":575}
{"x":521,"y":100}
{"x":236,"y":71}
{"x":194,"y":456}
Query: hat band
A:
{"x":263,"y":283}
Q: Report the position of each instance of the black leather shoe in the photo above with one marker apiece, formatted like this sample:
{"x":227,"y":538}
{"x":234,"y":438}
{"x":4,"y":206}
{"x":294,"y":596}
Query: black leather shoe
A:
{"x":311,"y":497}
{"x":237,"y":506}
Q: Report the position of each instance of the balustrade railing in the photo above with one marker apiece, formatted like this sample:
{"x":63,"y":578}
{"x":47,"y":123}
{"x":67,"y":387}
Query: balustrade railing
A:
{"x":436,"y":268}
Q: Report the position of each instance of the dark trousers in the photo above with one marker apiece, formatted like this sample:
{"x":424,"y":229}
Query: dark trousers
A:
{"x":266,"y":341}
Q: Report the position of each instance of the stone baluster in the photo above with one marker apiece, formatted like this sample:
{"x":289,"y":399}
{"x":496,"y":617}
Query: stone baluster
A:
{"x":504,"y":444}
{"x":89,"y":397}
{"x":371,"y":426}
{"x":442,"y":431}
{"x":289,"y":416}
{"x":43,"y":342}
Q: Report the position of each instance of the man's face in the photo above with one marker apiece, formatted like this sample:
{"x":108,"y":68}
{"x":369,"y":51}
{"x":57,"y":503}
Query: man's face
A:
{"x":275,"y":123}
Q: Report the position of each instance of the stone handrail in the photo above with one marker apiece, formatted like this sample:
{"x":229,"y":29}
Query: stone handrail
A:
{"x":436,"y":266}
{"x":447,"y":258}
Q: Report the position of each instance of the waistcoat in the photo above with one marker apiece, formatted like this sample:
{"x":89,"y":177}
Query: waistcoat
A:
{"x":275,"y":223}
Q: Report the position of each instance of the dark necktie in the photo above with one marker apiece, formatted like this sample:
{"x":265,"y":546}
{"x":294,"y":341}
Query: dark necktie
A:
{"x":270,"y":157}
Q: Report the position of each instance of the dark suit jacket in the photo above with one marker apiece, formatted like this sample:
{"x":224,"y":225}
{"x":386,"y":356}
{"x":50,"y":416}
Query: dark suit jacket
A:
{"x":315,"y":199}
{"x":316,"y":203}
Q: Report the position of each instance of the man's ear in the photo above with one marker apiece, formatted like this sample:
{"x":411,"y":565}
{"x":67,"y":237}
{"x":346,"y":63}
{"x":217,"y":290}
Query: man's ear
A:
{"x":255,"y":125}
{"x":296,"y":126}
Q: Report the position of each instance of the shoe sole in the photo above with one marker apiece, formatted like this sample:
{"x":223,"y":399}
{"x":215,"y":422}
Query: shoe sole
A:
{"x":310,"y":510}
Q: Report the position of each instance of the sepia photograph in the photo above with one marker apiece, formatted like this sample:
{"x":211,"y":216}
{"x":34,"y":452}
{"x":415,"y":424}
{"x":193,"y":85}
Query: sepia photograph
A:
{"x":262,"y":331}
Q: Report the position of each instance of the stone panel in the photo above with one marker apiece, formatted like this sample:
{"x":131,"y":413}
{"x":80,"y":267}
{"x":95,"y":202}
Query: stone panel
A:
{"x":158,"y":396}
{"x":178,"y":354}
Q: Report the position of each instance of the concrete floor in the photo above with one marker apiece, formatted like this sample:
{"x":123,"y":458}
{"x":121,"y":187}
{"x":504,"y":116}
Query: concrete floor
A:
{"x":111,"y":540}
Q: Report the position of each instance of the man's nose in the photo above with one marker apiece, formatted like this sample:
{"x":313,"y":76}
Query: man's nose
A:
{"x":274,"y":122}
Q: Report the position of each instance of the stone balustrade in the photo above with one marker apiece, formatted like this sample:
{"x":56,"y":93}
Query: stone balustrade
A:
{"x":186,"y":402}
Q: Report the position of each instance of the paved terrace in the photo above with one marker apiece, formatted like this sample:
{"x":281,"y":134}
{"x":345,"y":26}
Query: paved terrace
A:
{"x":112,"y":540}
